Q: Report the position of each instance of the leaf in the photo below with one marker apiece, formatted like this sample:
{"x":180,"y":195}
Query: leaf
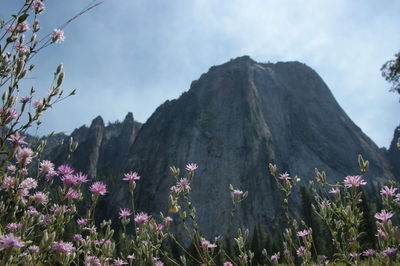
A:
{"x":22,"y":18}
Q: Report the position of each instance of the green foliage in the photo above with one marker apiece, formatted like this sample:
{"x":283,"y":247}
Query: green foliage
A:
{"x":391,"y":72}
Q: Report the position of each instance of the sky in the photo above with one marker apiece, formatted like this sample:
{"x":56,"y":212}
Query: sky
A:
{"x":133,"y":55}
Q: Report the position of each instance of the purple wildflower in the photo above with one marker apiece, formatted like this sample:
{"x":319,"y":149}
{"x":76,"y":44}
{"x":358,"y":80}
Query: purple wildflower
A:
{"x":24,"y":156}
{"x":389,"y":252}
{"x":191,"y":167}
{"x":119,"y":262}
{"x":131,"y":176}
{"x":275,"y":257}
{"x":92,"y":261}
{"x":303,"y":233}
{"x":168,"y":219}
{"x":141,"y":218}
{"x":17,"y":140}
{"x":12,"y":227}
{"x":228,"y":263}
{"x":65,"y":248}
{"x":10,"y":241}
{"x":369,"y":253}
{"x":23,"y":26}
{"x":123,"y":213}
{"x":184,"y":185}
{"x":33,"y":249}
{"x":301,"y":251}
{"x":46,"y":166}
{"x":39,"y":198}
{"x":383,"y":216}
{"x":388,"y":191}
{"x":72,"y":194}
{"x":354,"y":181}
{"x":65,"y":170}
{"x":78,"y":238}
{"x":58,"y":36}
{"x":38,"y":6}
{"x":98,"y":188}
{"x":82,"y":221}
{"x":9,"y":182}
{"x":285,"y":176}
{"x":237,"y":192}
{"x":25,"y":100}
{"x":28,"y":184}
{"x":80,"y":178}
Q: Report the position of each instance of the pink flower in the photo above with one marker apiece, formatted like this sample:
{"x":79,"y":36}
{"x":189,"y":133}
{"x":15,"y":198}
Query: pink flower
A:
{"x":207,"y":244}
{"x":119,"y":262}
{"x":81,"y":221}
{"x":28,"y":184}
{"x":23,"y":26}
{"x":46,"y":166}
{"x":275,"y":257}
{"x":65,"y":170}
{"x":301,"y":251}
{"x":131,"y":176}
{"x":184,"y":185}
{"x":389,"y":252}
{"x":50,"y":175}
{"x":24,"y":156}
{"x":32,"y":211}
{"x":38,"y":6}
{"x":11,"y":169}
{"x":237,"y":192}
{"x":9,"y":182}
{"x":10,"y":241}
{"x":65,"y":248}
{"x":334,"y":191}
{"x":17,"y":139}
{"x":39,"y":198}
{"x":78,"y":238}
{"x":325,"y":204}
{"x":191,"y":167}
{"x":285,"y":176}
{"x":228,"y":263}
{"x":354,"y":181}
{"x":159,"y":227}
{"x":68,"y":180}
{"x":369,"y":253}
{"x":98,"y":188}
{"x":168,"y":219}
{"x":141,"y":218}
{"x":383,"y":216}
{"x":12,"y":227}
{"x":388,"y":191}
{"x":354,"y":255}
{"x":89,"y":261}
{"x":381,"y":234}
{"x":80,"y":178}
{"x":303,"y":233}
{"x":46,"y":220}
{"x":124,"y":213}
{"x":72,"y":194}
{"x":157,"y":262}
{"x":25,"y":100}
{"x":33,"y":249}
{"x":58,"y":36}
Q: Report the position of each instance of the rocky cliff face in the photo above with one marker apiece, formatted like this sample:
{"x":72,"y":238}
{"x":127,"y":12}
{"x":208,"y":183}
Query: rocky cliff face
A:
{"x":394,"y":153}
{"x":232,"y":122}
{"x":102,"y":150}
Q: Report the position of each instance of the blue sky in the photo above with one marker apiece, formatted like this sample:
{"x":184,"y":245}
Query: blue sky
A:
{"x":132,"y":55}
